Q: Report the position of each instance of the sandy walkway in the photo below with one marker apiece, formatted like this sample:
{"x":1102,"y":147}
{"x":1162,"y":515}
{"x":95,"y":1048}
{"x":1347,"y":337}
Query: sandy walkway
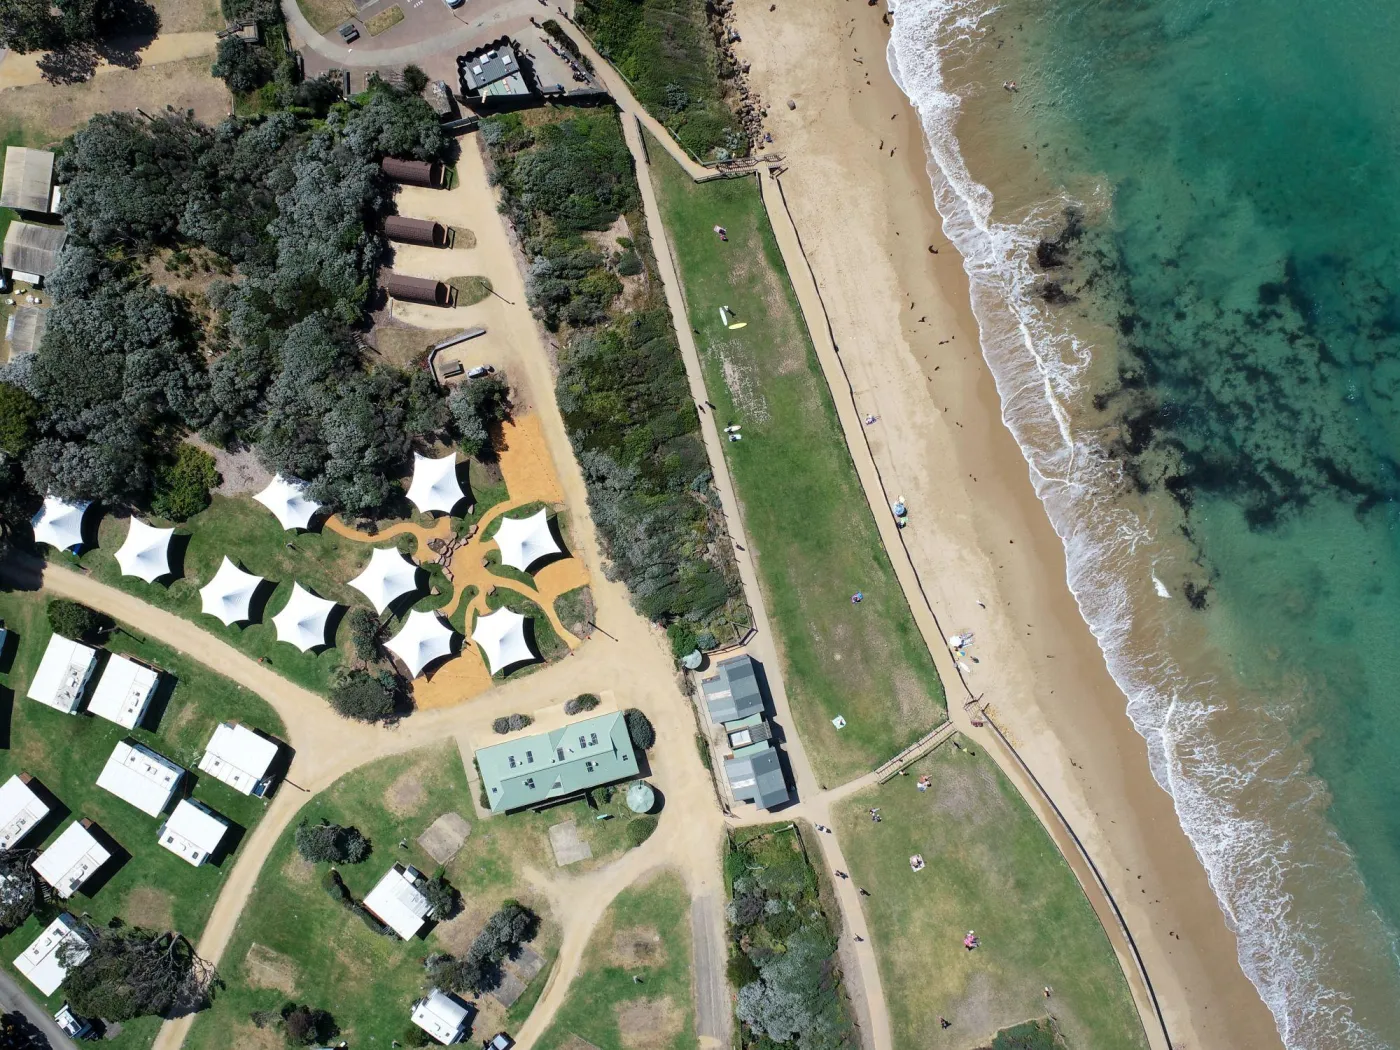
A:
{"x":978,"y":535}
{"x":23,"y":70}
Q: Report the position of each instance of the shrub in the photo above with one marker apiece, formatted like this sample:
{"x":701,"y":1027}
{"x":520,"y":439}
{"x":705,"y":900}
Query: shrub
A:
{"x":414,"y":79}
{"x":363,"y":627}
{"x":511,"y":723}
{"x":581,"y":703}
{"x":742,"y":971}
{"x":19,"y":416}
{"x":703,"y":746}
{"x":306,"y":1025}
{"x":629,"y":264}
{"x":74,"y":620}
{"x":639,"y":829}
{"x":182,"y":486}
{"x":362,"y":696}
{"x":639,"y":728}
{"x":244,"y":67}
{"x":442,"y":897}
{"x":683,"y":638}
{"x":331,"y":844}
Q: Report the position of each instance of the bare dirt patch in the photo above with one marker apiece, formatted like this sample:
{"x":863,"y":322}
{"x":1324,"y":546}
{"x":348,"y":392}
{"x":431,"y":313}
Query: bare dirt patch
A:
{"x":149,"y":907}
{"x":637,"y":946}
{"x":250,"y":1037}
{"x":445,"y":836}
{"x":239,"y":469}
{"x":575,"y":1042}
{"x":648,"y":1024}
{"x":299,"y":869}
{"x":402,"y":344}
{"x":406,"y":795}
{"x":265,"y":968}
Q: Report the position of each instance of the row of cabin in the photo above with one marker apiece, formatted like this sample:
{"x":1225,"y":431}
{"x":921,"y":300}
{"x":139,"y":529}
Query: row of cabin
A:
{"x":31,"y":247}
{"x":408,"y":230}
{"x":734,"y":700}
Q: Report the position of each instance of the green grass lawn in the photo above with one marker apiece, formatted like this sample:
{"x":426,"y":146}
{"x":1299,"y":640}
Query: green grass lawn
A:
{"x":990,"y":868}
{"x":294,"y":941}
{"x":802,"y":502}
{"x":154,"y":887}
{"x":248,"y":533}
{"x":645,"y":933}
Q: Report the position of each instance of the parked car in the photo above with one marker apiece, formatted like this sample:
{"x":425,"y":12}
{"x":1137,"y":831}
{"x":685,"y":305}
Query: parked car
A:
{"x":481,"y":370}
{"x":500,"y":1041}
{"x":349,"y":33}
{"x":454,"y":4}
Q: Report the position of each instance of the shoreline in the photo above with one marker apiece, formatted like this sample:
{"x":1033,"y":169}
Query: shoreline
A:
{"x":859,"y":192}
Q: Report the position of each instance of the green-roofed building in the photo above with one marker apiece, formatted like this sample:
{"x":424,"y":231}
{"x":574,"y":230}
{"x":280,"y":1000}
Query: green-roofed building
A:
{"x":543,"y":767}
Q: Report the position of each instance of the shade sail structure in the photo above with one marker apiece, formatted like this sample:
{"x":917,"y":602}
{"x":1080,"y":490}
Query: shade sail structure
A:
{"x":423,"y":639}
{"x":435,"y":486}
{"x":524,"y":541}
{"x":229,"y":595}
{"x":501,"y":636}
{"x":60,"y":523}
{"x":146,"y":552}
{"x":387,"y":577}
{"x":288,"y":503}
{"x":302,"y":621}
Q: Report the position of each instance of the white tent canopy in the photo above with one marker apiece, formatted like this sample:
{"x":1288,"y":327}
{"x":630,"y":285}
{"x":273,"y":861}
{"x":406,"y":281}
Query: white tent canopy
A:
{"x":423,"y":639}
{"x":287,"y":501}
{"x":59,"y":523}
{"x":146,"y":552}
{"x":302,"y":621}
{"x":386,"y":578}
{"x":230,"y":593}
{"x":435,"y":486}
{"x":524,"y":541}
{"x":501,"y":636}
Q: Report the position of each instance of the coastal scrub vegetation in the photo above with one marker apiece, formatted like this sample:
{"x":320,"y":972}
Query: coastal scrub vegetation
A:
{"x":667,"y":52}
{"x":281,"y":211}
{"x":567,"y":179}
{"x":782,"y":949}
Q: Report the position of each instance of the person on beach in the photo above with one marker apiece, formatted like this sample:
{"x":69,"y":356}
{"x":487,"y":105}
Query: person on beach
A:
{"x":857,"y":598}
{"x":943,"y":1022}
{"x":870,"y":421}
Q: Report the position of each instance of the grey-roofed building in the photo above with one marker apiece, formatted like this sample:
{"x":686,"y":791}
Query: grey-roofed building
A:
{"x":495,"y":70}
{"x":755,"y":775}
{"x":28,"y":184}
{"x":733,"y":693}
{"x":32,"y":251}
{"x":26,"y":329}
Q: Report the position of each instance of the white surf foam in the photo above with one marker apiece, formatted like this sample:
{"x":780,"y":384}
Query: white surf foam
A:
{"x":1251,"y":865}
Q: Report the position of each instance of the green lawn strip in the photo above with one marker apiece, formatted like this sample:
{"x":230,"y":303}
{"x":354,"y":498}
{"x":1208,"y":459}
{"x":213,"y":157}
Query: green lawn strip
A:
{"x":486,"y":489}
{"x":574,"y":609}
{"x":803,"y":505}
{"x":990,"y":867}
{"x":154,"y":888}
{"x":645,"y":933}
{"x":313,"y":950}
{"x":508,"y":572}
{"x":322,"y":561}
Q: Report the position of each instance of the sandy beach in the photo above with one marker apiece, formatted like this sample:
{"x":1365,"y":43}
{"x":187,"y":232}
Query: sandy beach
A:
{"x":897,"y":298}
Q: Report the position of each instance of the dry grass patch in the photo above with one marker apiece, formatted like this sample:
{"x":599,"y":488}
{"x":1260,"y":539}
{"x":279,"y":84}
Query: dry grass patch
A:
{"x":188,"y":16}
{"x":637,"y":946}
{"x":406,"y":795}
{"x":386,"y":19}
{"x":325,"y":15}
{"x":247,"y":1036}
{"x":149,"y":907}
{"x":462,"y":237}
{"x":265,"y":968}
{"x":298,"y":869}
{"x":649,"y":1024}
{"x":403,"y":345}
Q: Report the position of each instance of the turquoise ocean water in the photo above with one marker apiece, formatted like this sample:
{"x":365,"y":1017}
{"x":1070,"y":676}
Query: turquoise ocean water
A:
{"x":1183,"y":233}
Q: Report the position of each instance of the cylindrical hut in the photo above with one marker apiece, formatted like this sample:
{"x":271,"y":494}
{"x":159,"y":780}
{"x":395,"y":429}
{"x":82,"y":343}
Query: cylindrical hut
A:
{"x":416,"y":289}
{"x":413,"y":172}
{"x":415,"y":231}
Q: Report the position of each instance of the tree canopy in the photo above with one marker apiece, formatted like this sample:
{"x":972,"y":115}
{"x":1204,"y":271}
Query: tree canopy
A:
{"x":131,"y":972}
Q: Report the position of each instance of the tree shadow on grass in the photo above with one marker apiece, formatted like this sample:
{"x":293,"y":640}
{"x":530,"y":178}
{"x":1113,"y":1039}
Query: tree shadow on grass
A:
{"x":128,"y":28}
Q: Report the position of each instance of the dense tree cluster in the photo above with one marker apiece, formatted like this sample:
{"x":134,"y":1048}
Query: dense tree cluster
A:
{"x":363,"y":695}
{"x":74,"y":620}
{"x":479,"y":970}
{"x":22,"y":892}
{"x":130,"y":972}
{"x":329,"y":843}
{"x":307,"y":1025}
{"x":39,"y":25}
{"x":477,"y":406}
{"x":289,"y":209}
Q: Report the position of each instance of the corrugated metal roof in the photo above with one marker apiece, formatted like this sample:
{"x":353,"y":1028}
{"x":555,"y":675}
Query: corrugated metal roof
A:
{"x":30,"y":322}
{"x":756,"y":775}
{"x":733,"y":693}
{"x":28,"y":179}
{"x":532,"y":769}
{"x":33,"y":249}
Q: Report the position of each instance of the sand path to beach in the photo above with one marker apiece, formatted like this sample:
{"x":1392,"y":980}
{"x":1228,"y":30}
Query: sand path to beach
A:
{"x":978,"y":537}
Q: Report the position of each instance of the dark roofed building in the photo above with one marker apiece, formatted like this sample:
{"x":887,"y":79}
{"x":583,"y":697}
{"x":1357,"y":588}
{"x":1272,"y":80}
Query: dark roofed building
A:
{"x":32,"y":251}
{"x":414,"y":231}
{"x":28,"y":184}
{"x":755,"y":775}
{"x":27,"y":326}
{"x":416,"y":289}
{"x":733,"y":693}
{"x":492,"y":71}
{"x":413,"y":172}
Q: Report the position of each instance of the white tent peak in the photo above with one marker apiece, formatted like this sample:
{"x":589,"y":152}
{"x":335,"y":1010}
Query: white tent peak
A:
{"x":435,"y":486}
{"x":59,"y":523}
{"x":229,"y":594}
{"x":524,"y":541}
{"x":422,"y":639}
{"x":302,"y":621}
{"x":146,"y":552}
{"x":501,"y":636}
{"x":387,"y":577}
{"x":286,"y":498}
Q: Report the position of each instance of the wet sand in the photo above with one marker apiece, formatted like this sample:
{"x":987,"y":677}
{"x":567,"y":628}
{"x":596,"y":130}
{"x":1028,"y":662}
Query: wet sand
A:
{"x":860,"y":196}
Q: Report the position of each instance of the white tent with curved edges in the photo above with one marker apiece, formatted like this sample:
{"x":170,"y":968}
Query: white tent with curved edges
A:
{"x":422,"y":639}
{"x":524,"y":541}
{"x":288,"y":503}
{"x":387,"y":577}
{"x":60,"y":523}
{"x":302,"y":621}
{"x":146,"y":552}
{"x":435,"y":486}
{"x":230,"y":593}
{"x":501,"y":636}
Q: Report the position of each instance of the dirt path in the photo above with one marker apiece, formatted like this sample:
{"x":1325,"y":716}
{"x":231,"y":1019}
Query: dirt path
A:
{"x":23,"y":70}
